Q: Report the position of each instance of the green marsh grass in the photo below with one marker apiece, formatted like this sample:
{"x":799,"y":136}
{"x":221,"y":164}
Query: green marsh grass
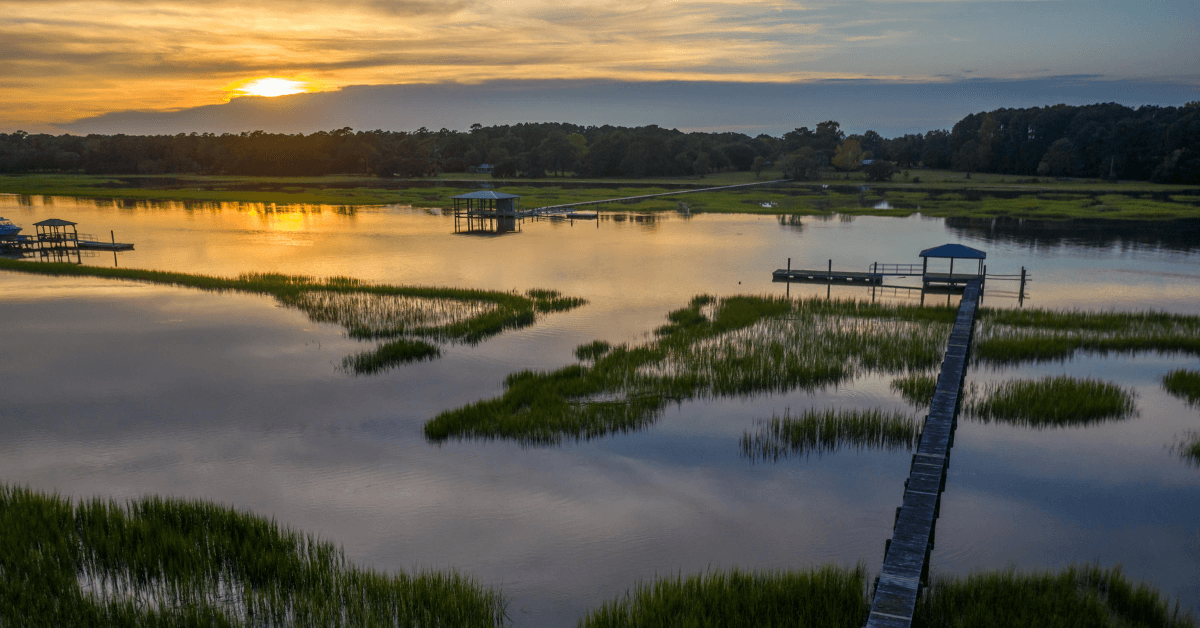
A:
{"x":1076,"y":597}
{"x":414,"y":314}
{"x":916,"y":389}
{"x":828,"y":597}
{"x":1183,"y":383}
{"x":1010,"y":337}
{"x":824,"y":431}
{"x":1053,"y":401}
{"x":733,"y":346}
{"x":165,"y":562}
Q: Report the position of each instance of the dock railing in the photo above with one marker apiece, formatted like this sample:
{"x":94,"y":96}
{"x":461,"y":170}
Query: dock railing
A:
{"x":903,"y":270}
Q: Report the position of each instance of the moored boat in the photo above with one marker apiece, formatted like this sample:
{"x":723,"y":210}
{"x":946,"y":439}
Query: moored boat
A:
{"x":7,"y":228}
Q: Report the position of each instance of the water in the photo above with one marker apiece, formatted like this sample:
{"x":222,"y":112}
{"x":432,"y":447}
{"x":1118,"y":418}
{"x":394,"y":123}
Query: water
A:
{"x":123,"y":389}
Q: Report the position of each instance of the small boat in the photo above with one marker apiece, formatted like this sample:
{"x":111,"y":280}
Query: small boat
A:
{"x":7,"y":228}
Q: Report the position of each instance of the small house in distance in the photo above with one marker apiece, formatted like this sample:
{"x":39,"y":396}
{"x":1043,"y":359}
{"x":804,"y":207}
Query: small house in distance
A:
{"x":486,"y":211}
{"x":485,"y":168}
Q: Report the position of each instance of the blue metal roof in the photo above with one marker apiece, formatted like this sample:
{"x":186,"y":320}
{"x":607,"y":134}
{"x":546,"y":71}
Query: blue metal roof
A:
{"x":954,"y":250}
{"x":486,"y":194}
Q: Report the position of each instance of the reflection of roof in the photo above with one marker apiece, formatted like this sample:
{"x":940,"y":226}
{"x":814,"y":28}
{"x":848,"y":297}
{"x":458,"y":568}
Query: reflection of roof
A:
{"x":954,"y":250}
{"x":54,"y":222}
{"x":486,"y":194}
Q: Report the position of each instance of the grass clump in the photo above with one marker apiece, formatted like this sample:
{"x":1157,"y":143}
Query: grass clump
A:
{"x":390,"y":354}
{"x":403,"y":314}
{"x":739,"y":345}
{"x":165,"y":562}
{"x":826,"y":597}
{"x":1009,"y":337}
{"x":823,"y":431}
{"x":1078,"y":596}
{"x":1183,"y":383}
{"x":1056,"y":401}
{"x":916,"y":389}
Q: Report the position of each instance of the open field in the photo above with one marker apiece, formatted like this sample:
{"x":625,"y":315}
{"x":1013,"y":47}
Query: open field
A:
{"x":405,"y":315}
{"x":937,"y":193}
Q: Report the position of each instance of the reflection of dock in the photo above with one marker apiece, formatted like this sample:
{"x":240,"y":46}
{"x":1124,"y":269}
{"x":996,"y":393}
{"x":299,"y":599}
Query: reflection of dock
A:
{"x":906,"y":555}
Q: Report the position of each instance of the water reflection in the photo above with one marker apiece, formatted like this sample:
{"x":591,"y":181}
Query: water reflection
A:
{"x":1181,"y":236}
{"x":121,"y":389}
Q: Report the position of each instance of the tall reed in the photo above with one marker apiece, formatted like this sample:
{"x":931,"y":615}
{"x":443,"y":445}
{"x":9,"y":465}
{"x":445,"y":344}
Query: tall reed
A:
{"x":166,"y":562}
{"x":1053,"y":401}
{"x":823,"y":431}
{"x":739,"y":345}
{"x":828,"y":597}
{"x":916,"y":389}
{"x":1086,"y":595}
{"x":1183,"y":383}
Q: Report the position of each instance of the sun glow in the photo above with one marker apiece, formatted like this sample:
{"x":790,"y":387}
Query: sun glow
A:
{"x":270,"y":87}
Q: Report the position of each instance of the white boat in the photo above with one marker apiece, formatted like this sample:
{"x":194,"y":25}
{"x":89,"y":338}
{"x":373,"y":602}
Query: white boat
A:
{"x":7,"y":228}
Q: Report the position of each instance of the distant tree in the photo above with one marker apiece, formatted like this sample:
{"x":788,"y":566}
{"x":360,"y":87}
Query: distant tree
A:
{"x":849,"y":156}
{"x":880,"y":170}
{"x":758,"y":166}
{"x":803,"y":164}
{"x":702,"y":165}
{"x":1059,"y":160}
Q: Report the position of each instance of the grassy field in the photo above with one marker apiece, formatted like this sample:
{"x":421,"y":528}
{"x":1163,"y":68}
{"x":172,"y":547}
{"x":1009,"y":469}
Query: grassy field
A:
{"x":166,"y":562}
{"x":932,"y":193}
{"x":406,"y":316}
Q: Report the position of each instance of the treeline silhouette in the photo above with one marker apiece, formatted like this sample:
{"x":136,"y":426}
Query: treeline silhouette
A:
{"x":1102,"y":140}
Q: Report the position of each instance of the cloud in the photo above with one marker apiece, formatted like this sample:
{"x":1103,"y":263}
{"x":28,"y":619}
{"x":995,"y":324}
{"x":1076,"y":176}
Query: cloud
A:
{"x":891,"y":108}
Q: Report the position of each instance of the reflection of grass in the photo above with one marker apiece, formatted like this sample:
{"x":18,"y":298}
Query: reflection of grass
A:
{"x":1183,"y":383}
{"x":823,"y":597}
{"x":916,"y":389}
{"x":1076,"y":596}
{"x":821,"y":431}
{"x":732,"y":346}
{"x":365,"y":310}
{"x":1052,"y":402}
{"x":165,"y":562}
{"x":1015,"y":336}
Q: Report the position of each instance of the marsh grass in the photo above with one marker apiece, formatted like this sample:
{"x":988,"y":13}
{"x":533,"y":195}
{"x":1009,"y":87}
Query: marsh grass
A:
{"x":828,"y":597}
{"x":732,"y":346}
{"x":916,"y":389}
{"x":1078,"y":596}
{"x":364,"y":310}
{"x":824,"y":431}
{"x":1055,"y":401}
{"x":1010,"y":337}
{"x":165,"y":562}
{"x":1184,"y":384}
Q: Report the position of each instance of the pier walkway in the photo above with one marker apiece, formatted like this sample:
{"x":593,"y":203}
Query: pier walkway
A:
{"x":906,"y":557}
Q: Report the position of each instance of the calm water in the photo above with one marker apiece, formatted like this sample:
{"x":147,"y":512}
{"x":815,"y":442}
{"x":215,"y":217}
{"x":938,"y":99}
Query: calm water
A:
{"x":122,"y":389}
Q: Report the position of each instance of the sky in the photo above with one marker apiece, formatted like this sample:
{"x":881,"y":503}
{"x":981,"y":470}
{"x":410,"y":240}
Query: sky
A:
{"x":168,"y":66}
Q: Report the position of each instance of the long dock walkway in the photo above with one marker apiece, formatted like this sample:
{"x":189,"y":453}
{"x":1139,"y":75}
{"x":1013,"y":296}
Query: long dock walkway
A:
{"x":906,"y":559}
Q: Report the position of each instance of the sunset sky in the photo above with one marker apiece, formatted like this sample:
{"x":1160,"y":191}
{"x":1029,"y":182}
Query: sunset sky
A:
{"x":67,"y":65}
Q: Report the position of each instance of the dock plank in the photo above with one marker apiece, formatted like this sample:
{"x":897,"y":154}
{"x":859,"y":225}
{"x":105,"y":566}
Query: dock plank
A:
{"x":905,"y":563}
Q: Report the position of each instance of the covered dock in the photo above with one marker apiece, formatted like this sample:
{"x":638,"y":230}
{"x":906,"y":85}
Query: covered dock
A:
{"x":486,"y":211}
{"x":951,"y":252}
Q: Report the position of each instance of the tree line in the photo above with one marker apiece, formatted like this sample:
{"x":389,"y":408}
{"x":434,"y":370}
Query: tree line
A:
{"x":1101,"y":140}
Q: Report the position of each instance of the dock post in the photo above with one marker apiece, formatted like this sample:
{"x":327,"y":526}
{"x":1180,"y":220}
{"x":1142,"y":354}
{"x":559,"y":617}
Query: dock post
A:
{"x":1021,"y":296}
{"x":829,"y":275}
{"x":789,"y":266}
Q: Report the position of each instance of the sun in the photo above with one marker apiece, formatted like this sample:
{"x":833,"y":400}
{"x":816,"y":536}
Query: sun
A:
{"x":269,"y":86}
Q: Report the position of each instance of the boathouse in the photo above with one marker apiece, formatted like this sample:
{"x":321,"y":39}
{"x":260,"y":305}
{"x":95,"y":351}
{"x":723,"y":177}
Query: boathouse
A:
{"x":486,"y":211}
{"x":951,"y":252}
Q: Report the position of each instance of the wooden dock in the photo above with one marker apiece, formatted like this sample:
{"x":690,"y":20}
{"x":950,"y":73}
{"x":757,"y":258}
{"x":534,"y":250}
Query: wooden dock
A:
{"x":824,"y":276}
{"x":906,"y":557}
